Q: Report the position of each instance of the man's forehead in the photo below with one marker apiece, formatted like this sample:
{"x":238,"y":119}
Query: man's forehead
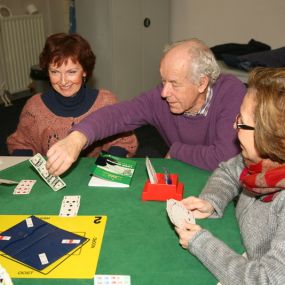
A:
{"x":175,"y":66}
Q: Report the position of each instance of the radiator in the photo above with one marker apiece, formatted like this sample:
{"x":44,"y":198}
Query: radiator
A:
{"x":21,"y":41}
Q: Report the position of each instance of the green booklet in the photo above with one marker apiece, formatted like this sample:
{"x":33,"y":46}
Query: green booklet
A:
{"x":112,"y":171}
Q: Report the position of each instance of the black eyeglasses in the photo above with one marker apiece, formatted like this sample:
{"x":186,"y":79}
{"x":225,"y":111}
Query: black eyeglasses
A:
{"x":242,"y":126}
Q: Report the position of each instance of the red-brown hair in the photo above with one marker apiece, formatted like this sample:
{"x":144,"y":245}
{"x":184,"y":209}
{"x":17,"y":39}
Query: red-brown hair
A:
{"x":60,"y":47}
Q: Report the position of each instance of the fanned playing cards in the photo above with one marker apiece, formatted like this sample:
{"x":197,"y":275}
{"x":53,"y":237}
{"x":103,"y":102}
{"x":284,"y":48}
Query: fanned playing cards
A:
{"x":178,"y":214}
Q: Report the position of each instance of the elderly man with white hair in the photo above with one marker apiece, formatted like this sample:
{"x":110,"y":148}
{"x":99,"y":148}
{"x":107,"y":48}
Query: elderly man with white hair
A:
{"x":193,"y":110}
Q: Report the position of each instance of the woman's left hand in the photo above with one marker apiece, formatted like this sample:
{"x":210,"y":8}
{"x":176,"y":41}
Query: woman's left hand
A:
{"x":186,"y":234}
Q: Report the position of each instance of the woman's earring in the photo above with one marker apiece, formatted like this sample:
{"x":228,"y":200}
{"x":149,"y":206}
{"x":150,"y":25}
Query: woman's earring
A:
{"x":84,"y":80}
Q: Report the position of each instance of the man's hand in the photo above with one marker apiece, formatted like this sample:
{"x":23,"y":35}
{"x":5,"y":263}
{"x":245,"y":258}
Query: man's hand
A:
{"x":65,"y":152}
{"x":201,"y":208}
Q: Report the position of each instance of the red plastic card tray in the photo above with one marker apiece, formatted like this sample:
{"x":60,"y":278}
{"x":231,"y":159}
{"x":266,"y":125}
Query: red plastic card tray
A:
{"x":162,"y":191}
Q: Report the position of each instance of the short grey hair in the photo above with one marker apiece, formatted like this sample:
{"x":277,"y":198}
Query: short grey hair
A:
{"x":202,"y":61}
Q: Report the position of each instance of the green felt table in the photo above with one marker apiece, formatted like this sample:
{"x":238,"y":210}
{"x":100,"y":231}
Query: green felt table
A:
{"x":139,"y":240}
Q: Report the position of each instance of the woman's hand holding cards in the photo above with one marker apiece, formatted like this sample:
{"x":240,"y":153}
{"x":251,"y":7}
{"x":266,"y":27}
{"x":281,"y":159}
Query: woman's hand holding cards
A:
{"x":200,"y":208}
{"x":183,"y":213}
{"x":187,"y":233}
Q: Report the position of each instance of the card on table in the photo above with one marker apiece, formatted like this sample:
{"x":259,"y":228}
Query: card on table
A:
{"x":178,"y":214}
{"x":4,"y":277}
{"x":24,"y":187}
{"x":112,"y":280}
{"x":151,"y":171}
{"x":70,"y":206}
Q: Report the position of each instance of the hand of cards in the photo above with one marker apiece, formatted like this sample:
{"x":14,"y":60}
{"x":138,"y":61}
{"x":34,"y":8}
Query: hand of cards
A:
{"x":39,"y":163}
{"x":178,"y":214}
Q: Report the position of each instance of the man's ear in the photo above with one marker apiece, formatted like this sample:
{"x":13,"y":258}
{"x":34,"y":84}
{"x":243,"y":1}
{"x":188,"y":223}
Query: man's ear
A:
{"x":203,"y":84}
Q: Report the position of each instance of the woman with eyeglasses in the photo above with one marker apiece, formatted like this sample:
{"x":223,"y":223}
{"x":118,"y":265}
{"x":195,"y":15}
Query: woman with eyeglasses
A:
{"x":257,"y":178}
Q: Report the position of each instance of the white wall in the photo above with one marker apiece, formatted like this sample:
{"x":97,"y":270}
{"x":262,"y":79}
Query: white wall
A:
{"x":128,"y":54}
{"x":56,"y":19}
{"x":223,"y":21}
{"x":55,"y":12}
{"x":214,"y":21}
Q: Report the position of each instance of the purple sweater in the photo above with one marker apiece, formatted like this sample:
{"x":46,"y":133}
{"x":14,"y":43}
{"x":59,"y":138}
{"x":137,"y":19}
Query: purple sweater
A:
{"x":200,"y":141}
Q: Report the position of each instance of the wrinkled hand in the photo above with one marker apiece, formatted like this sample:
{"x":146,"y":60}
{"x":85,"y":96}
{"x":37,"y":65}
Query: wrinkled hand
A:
{"x":185,"y":235}
{"x":65,"y":152}
{"x":200,"y":208}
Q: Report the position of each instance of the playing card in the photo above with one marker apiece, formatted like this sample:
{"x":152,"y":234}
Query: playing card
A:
{"x":4,"y":277}
{"x":73,"y":199}
{"x":24,"y":187}
{"x":112,"y":280}
{"x":151,"y":171}
{"x":70,"y":206}
{"x":68,"y":210}
{"x":178,"y":214}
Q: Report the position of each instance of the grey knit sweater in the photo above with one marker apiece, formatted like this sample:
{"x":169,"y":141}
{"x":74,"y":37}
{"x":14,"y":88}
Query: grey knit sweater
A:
{"x":262,"y":227}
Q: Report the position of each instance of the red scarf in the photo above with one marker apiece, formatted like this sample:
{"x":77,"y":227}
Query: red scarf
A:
{"x":265,"y":179}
